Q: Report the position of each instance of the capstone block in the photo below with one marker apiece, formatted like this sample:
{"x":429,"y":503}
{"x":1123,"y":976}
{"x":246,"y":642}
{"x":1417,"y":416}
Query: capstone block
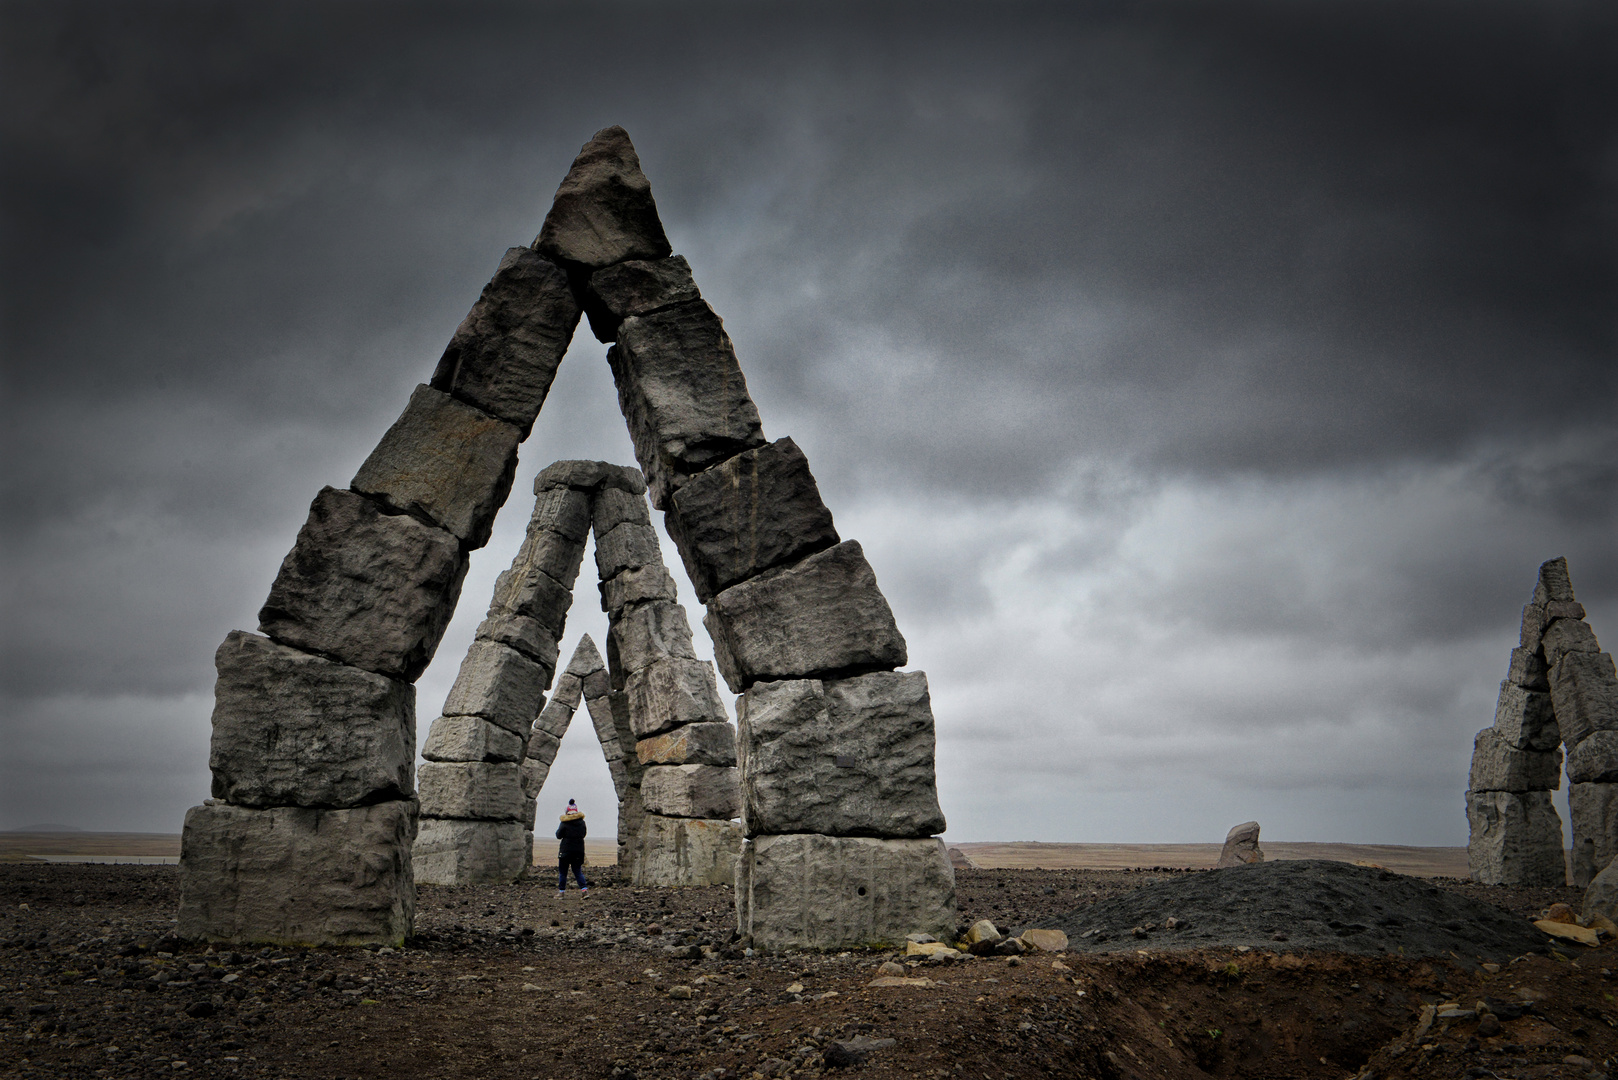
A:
{"x":823,"y":617}
{"x":1498,"y":766}
{"x":471,"y":852}
{"x":692,"y":791}
{"x":682,"y":394}
{"x":1584,"y":691}
{"x":586,"y":659}
{"x":1594,"y":810}
{"x":445,"y":460}
{"x":491,"y":791}
{"x":296,"y":876}
{"x":669,"y":693}
{"x":1554,"y":582}
{"x":842,"y":757}
{"x":1516,"y":839}
{"x":589,"y":475}
{"x":371,"y":589}
{"x":711,"y":743}
{"x":805,"y":891}
{"x":470,"y":738}
{"x":684,"y":851}
{"x":603,"y":212}
{"x":499,"y":684}
{"x":1595,"y":760}
{"x":294,"y":729}
{"x":637,"y":287}
{"x":758,"y":510}
{"x":504,"y":354}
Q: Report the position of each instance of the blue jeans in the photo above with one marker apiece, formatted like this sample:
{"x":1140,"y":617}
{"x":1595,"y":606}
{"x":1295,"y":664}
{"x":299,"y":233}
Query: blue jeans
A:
{"x":562,"y":864}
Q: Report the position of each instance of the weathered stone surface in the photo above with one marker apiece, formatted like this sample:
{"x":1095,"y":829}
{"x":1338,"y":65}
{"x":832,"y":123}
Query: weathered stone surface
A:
{"x":693,"y":791}
{"x":1594,"y":760}
{"x":1051,"y":941}
{"x":822,"y":617}
{"x":647,"y":633}
{"x":1499,"y":766}
{"x":758,"y":510}
{"x":297,"y":876}
{"x":804,"y":891}
{"x":1584,"y":691}
{"x":636,"y":587}
{"x":693,"y":744}
{"x":1524,"y":718}
{"x":1516,"y":839}
{"x":553,"y":719}
{"x":631,"y":823}
{"x":601,"y":718}
{"x":586,"y":659}
{"x":588,"y":476}
{"x":506,"y":351}
{"x":597,"y":684}
{"x":1554,"y":582}
{"x":636,"y":287}
{"x":671,"y":692}
{"x":622,"y":782}
{"x":1594,"y":812}
{"x":472,"y":789}
{"x":499,"y":684}
{"x":446,"y":461}
{"x":525,"y":635}
{"x":542,"y":747}
{"x":569,"y":690}
{"x":1601,"y":896}
{"x":1533,"y":625}
{"x":294,"y":729}
{"x":684,"y":851}
{"x":470,"y":738}
{"x":603,"y":212}
{"x":1241,"y":846}
{"x":560,"y":510}
{"x":471,"y":852}
{"x":1564,"y":636}
{"x":627,"y":547}
{"x":1528,"y":670}
{"x":613,"y":507}
{"x":533,"y":773}
{"x":533,"y":594}
{"x":842,"y":757}
{"x":982,"y":931}
{"x":374,"y":590}
{"x":683,"y":395}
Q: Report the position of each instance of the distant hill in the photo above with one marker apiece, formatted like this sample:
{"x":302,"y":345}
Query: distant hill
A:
{"x":44,"y":828}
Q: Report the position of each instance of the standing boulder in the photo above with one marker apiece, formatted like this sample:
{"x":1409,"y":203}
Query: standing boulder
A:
{"x":1241,"y":846}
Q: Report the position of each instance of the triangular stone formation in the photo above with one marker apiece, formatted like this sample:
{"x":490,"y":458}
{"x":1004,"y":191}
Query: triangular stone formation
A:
{"x":312,"y":841}
{"x":1560,"y":691}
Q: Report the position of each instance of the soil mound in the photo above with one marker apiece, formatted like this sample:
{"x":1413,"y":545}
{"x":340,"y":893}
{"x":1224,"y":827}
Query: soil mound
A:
{"x":1301,"y":904}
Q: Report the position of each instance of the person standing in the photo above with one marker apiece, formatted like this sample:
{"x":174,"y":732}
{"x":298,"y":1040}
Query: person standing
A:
{"x":571,"y":854}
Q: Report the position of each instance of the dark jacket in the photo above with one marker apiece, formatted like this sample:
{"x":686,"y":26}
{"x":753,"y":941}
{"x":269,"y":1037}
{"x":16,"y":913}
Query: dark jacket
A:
{"x":571,"y":834}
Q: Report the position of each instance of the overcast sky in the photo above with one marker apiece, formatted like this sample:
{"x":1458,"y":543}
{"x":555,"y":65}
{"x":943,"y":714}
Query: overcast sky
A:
{"x":1205,"y":381}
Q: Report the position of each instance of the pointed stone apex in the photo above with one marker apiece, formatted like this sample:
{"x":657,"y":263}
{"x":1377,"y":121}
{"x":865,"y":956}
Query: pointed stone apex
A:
{"x":603,"y":212}
{"x":1554,"y":583}
{"x":586,"y":659}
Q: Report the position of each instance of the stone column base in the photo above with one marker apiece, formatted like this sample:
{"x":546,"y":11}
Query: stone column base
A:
{"x":686,"y":851}
{"x":454,"y":851}
{"x":1594,"y":808}
{"x":1516,"y":839}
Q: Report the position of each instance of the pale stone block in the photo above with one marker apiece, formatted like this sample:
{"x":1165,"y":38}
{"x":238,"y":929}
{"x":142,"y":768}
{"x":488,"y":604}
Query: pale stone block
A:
{"x":542,"y":747}
{"x":370,"y":589}
{"x":1533,"y":625}
{"x":588,"y":476}
{"x":694,"y":744}
{"x":1564,"y":636}
{"x":527,"y":636}
{"x":1528,"y":670}
{"x":586,"y":659}
{"x":611,"y":507}
{"x":553,"y":720}
{"x":1241,"y":846}
{"x":294,"y":729}
{"x":1499,"y":766}
{"x":649,"y":632}
{"x":470,"y":738}
{"x":569,"y":691}
{"x":1595,"y":760}
{"x":559,"y":510}
{"x":805,"y":891}
{"x":444,"y":460}
{"x":627,"y":547}
{"x":533,"y":775}
{"x":603,"y":212}
{"x":1516,"y":839}
{"x":295,"y":876}
{"x":491,"y":791}
{"x":1584,"y":691}
{"x":670,"y":693}
{"x":841,"y":757}
{"x":1524,"y":718}
{"x":693,"y":791}
{"x":471,"y":852}
{"x":533,"y":594}
{"x":636,"y":587}
{"x":499,"y":684}
{"x":1594,"y":810}
{"x":1554,"y":582}
{"x":684,"y":851}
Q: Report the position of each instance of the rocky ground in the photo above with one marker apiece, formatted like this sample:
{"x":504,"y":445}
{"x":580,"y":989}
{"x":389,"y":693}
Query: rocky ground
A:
{"x":511,"y":982}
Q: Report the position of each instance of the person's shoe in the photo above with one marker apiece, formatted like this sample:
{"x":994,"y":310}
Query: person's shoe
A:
{"x":585,"y":891}
{"x":560,"y":893}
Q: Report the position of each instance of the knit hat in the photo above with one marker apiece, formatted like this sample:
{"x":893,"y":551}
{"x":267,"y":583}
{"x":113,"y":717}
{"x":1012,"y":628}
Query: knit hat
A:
{"x":572,"y":807}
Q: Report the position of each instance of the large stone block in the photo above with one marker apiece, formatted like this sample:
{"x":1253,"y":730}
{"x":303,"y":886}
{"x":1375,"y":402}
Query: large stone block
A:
{"x":823,"y":616}
{"x":603,"y":212}
{"x":1533,"y":625}
{"x":542,"y":747}
{"x":446,"y":461}
{"x":1601,"y":895}
{"x":294,"y":729}
{"x":637,"y":287}
{"x":491,"y":791}
{"x":627,"y":547}
{"x":504,"y":354}
{"x":561,"y":510}
{"x":1554,"y":582}
{"x":672,"y":692}
{"x":758,"y":510}
{"x":683,"y":395}
{"x":637,"y":587}
{"x":647,"y":633}
{"x":693,"y":791}
{"x":588,"y":476}
{"x":1524,"y":718}
{"x":1499,"y":766}
{"x":694,"y":744}
{"x":805,"y":891}
{"x":499,"y":684}
{"x":684,"y":851}
{"x":1565,"y":636}
{"x":470,"y":738}
{"x":371,"y":589}
{"x":844,"y":757}
{"x":471,"y":852}
{"x":296,"y":876}
{"x":612,"y":507}
{"x":601,"y":718}
{"x":631,"y":822}
{"x":1516,"y":839}
{"x":1584,"y":691}
{"x":534,"y":772}
{"x":528,"y":636}
{"x":586,"y":659}
{"x":1594,"y":760}
{"x":553,"y":719}
{"x":1594,"y":810}
{"x":533,"y":594}
{"x":1528,"y":670}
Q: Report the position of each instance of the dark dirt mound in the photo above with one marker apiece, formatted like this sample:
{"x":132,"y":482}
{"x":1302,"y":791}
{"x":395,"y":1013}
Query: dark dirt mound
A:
{"x":1302,"y":904}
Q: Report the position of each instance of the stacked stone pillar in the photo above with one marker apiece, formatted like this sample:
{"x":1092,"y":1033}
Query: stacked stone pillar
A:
{"x":1560,"y":691}
{"x":308,"y":836}
{"x":835,"y":746}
